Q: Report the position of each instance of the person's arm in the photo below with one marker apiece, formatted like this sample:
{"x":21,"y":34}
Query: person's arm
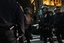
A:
{"x":19,"y":16}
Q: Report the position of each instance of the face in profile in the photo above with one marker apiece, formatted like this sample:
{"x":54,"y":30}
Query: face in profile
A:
{"x":29,"y":11}
{"x":57,"y":11}
{"x":45,"y":10}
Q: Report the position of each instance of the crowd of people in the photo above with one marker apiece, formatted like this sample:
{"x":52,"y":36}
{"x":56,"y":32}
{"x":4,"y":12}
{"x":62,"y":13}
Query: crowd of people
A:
{"x":51,"y":22}
{"x":15,"y":22}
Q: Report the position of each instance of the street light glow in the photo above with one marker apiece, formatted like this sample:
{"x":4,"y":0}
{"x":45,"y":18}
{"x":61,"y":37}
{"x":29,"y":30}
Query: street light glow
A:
{"x":53,"y":2}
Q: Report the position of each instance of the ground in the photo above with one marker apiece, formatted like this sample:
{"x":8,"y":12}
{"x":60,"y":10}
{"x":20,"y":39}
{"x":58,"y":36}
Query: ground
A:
{"x":36,"y":39}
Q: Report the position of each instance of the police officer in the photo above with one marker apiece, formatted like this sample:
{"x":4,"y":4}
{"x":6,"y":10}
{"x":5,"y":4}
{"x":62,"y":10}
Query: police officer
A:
{"x":21,"y":39}
{"x":10,"y":16}
{"x":45,"y":24}
{"x":62,"y":31}
{"x":58,"y":23}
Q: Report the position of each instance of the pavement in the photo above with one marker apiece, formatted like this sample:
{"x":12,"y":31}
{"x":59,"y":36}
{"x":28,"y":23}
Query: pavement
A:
{"x":36,"y":39}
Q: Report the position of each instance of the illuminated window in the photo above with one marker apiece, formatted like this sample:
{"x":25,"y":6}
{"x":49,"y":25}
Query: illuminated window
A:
{"x":46,"y":2}
{"x":53,"y":2}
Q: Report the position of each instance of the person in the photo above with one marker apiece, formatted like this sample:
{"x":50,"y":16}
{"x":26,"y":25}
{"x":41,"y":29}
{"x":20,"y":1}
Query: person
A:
{"x":46,"y":24}
{"x":62,"y":31}
{"x":58,"y":23}
{"x":21,"y":39}
{"x":10,"y":16}
{"x":28,"y":21}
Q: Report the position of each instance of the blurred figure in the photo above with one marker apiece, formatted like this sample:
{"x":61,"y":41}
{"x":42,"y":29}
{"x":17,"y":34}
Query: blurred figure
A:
{"x":62,"y":32}
{"x":21,"y":40}
{"x":46,"y":24}
{"x":58,"y":23}
{"x":28,"y":21}
{"x":10,"y":16}
{"x":18,"y":33}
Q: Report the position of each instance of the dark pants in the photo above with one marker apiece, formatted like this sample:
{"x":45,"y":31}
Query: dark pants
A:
{"x":45,"y":33}
{"x":62,"y":33}
{"x":21,"y":40}
{"x":28,"y":35}
{"x":58,"y":33}
{"x":7,"y":36}
{"x":41,"y":33}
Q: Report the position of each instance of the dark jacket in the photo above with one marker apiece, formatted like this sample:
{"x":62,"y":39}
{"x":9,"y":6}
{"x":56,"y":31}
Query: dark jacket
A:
{"x":58,"y":20}
{"x":10,"y":13}
{"x":46,"y":19}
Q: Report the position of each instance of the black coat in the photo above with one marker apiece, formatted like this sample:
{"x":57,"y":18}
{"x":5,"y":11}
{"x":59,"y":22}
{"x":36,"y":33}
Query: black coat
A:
{"x":58,"y":20}
{"x":46,"y":18}
{"x":46,"y":24}
{"x":10,"y":13}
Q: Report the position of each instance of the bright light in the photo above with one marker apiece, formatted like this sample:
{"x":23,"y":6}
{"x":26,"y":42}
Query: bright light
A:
{"x":46,"y":2}
{"x":34,"y":7}
{"x":53,"y":2}
{"x":32,"y":1}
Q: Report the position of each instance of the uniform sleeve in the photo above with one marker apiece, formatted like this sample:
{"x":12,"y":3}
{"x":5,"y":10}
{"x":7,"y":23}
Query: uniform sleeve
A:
{"x":50,"y":20}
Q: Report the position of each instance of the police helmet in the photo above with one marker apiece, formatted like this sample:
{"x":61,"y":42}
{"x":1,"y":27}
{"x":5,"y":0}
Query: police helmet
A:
{"x":56,"y":8}
{"x":44,"y":6}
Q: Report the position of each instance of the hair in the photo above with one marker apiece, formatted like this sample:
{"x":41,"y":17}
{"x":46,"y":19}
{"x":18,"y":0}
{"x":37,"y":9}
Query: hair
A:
{"x":26,"y":9}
